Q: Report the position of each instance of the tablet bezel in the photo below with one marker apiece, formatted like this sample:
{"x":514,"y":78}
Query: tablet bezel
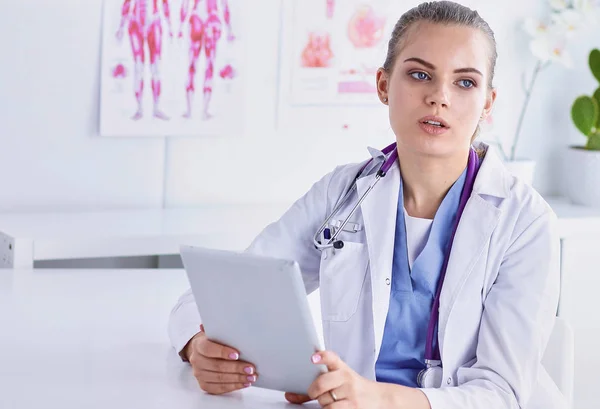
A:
{"x":257,"y":305}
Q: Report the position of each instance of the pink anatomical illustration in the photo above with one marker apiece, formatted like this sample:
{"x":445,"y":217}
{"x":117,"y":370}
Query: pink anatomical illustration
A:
{"x":365,"y":28}
{"x":330,"y":8}
{"x":119,"y":71}
{"x":145,"y":34}
{"x":227,"y":72}
{"x":317,"y":51}
{"x":205,"y":33}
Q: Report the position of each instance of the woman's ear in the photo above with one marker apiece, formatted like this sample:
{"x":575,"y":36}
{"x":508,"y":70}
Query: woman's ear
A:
{"x":382,"y":80}
{"x":489,"y":103}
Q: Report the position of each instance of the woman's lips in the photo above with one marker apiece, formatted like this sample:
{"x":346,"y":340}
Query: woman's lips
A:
{"x":432,"y":129}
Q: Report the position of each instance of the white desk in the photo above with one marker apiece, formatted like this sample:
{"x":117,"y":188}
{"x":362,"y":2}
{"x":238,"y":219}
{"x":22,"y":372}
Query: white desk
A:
{"x":29,"y":237}
{"x":96,"y":339}
{"x":33,"y":237}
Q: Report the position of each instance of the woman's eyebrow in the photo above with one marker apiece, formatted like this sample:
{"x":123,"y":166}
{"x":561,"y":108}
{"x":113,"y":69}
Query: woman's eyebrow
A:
{"x":432,"y":67}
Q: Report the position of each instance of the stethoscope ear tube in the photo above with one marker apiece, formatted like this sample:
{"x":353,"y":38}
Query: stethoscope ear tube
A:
{"x":338,"y":244}
{"x":316,"y":239}
{"x":332,"y":241}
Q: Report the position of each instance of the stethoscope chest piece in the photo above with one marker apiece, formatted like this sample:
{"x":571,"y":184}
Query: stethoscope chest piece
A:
{"x":430,"y":377}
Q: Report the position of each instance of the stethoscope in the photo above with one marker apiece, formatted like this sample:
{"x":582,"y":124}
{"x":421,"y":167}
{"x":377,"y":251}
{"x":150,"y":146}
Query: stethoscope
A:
{"x":325,"y":228}
{"x":431,"y":376}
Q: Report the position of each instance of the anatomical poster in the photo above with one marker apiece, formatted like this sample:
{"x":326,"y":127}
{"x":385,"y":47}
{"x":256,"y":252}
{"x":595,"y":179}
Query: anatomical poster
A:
{"x":331,"y":51}
{"x":171,"y":67}
{"x":334,"y":48}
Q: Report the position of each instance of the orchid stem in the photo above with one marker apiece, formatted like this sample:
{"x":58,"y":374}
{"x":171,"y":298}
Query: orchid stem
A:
{"x":501,"y":147}
{"x":538,"y":67}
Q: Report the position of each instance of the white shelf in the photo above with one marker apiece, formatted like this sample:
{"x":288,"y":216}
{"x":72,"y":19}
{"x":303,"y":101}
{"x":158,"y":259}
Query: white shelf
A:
{"x":575,"y":220}
{"x":29,"y":237}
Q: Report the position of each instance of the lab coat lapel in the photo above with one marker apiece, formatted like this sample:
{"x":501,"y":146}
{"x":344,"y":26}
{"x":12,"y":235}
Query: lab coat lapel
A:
{"x":476,"y":225}
{"x":379,"y":215}
{"x":475,"y":228}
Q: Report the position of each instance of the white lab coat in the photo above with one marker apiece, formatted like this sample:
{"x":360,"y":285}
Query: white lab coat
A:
{"x":498,"y":300}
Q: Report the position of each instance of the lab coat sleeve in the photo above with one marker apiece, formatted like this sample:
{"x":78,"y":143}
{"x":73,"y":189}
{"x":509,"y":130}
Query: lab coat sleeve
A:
{"x":290,"y":237}
{"x":516,"y":324}
{"x":184,"y":322}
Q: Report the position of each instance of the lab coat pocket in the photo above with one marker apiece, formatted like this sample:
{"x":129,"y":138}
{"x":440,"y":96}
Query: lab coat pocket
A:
{"x":342,"y":278}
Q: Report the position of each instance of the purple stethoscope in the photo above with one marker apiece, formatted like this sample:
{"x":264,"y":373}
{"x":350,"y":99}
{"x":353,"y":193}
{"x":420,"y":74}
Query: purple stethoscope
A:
{"x":431,"y":376}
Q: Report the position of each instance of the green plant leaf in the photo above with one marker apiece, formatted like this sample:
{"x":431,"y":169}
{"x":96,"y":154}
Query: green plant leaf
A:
{"x":597,"y":98}
{"x":594,"y":61}
{"x":584,"y":113}
{"x":593,"y":143}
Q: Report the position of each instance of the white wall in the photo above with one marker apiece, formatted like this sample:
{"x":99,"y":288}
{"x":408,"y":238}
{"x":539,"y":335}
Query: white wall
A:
{"x":308,"y":154}
{"x":52,"y":157}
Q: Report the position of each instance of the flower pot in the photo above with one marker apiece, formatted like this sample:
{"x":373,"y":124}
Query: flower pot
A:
{"x":582,"y":176}
{"x":524,"y":169}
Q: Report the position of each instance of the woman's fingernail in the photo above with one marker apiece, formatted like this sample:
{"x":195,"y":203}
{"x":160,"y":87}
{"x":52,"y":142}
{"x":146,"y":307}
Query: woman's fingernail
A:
{"x":316,"y":358}
{"x":234,"y":355}
{"x":252,"y":378}
{"x":247,"y":385}
{"x":249,"y":370}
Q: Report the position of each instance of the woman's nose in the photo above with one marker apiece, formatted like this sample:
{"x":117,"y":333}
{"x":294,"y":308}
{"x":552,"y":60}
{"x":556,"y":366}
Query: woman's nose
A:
{"x":438,"y":97}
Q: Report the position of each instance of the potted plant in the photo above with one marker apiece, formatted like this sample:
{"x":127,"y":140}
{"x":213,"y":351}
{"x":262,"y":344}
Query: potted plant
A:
{"x":548,"y":44}
{"x":583,"y":186}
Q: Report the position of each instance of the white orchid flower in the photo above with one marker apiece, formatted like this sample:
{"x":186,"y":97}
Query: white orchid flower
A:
{"x":589,"y":10}
{"x":551,"y":48}
{"x":559,"y":4}
{"x":585,"y":6}
{"x":568,"y":21}
{"x":535,"y":27}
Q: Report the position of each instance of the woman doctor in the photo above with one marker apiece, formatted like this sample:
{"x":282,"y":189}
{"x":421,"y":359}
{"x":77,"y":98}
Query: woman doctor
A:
{"x":400,"y":341}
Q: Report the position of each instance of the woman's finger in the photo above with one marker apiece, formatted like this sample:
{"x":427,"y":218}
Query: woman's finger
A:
{"x":221,"y":377}
{"x":296,"y":398}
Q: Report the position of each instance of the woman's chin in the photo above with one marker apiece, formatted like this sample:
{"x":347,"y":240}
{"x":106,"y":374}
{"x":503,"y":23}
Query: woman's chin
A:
{"x":434,"y":147}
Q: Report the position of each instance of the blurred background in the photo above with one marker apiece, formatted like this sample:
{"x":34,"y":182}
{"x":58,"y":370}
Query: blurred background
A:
{"x":54,"y":156}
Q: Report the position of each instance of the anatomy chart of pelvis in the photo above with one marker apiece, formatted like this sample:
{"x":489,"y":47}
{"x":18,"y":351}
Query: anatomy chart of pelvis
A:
{"x":330,"y":56}
{"x":171,"y":68}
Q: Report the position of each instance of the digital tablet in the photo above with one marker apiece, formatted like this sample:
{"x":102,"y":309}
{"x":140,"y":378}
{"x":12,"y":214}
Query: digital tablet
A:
{"x":258,"y":306}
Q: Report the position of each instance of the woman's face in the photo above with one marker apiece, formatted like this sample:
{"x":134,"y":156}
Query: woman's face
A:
{"x":441,"y":75}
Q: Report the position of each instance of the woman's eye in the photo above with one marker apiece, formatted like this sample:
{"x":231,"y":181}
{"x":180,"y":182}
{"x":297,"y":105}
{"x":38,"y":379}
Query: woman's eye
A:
{"x":419,"y":75}
{"x":466,"y":83}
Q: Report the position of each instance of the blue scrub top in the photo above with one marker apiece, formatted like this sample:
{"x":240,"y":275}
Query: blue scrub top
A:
{"x":402,"y":354}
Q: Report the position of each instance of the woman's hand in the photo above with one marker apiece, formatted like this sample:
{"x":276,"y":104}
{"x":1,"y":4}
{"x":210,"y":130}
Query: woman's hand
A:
{"x":216,"y":367}
{"x":349,"y":388}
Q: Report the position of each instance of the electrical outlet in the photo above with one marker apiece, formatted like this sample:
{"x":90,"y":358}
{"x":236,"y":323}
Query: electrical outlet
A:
{"x":7,"y":251}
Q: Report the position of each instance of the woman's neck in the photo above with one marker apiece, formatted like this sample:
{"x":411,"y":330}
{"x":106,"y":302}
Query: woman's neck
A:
{"x":426,"y":180}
